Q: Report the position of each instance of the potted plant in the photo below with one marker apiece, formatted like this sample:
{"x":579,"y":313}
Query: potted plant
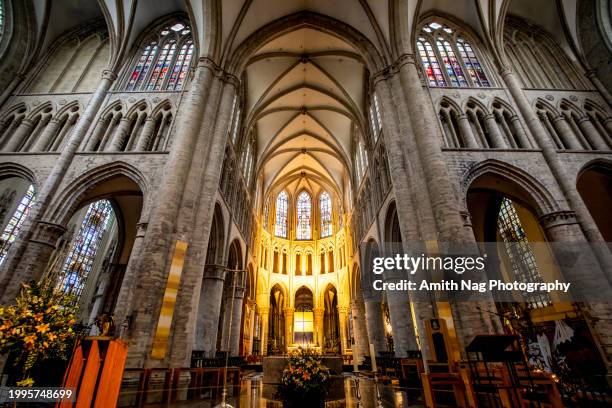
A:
{"x":304,"y":381}
{"x":38,"y":327}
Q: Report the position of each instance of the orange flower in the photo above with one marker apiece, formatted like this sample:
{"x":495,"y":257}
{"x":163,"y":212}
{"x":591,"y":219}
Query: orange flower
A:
{"x":30,"y":340}
{"x":51,"y":336}
{"x":42,"y":328}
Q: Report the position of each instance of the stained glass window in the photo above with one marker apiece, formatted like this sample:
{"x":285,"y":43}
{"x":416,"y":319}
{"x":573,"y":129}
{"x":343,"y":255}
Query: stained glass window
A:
{"x":326,"y":214}
{"x":16,"y":222}
{"x":266,"y":212}
{"x":280,"y":223}
{"x":519,"y":252}
{"x":235,"y":126}
{"x":164,"y":62}
{"x":1,"y":18}
{"x":304,"y":206}
{"x":452,"y":61}
{"x":84,"y":247}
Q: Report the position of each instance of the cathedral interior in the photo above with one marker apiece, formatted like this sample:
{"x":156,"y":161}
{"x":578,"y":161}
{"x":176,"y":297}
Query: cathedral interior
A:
{"x":215,"y":174}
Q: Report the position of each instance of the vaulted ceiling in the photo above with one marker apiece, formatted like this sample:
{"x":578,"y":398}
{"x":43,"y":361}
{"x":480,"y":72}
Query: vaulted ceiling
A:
{"x":305,"y":96}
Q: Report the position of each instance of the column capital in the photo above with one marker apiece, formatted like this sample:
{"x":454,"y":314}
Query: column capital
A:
{"x":108,"y":74}
{"x":264,"y":310}
{"x":558,"y":218}
{"x":141,"y":228}
{"x":214,"y":272}
{"x":27,"y":122}
{"x":506,"y":70}
{"x":583,"y":119}
{"x":318,"y":311}
{"x":47,"y":233}
{"x":467,"y":218}
{"x":288,"y":311}
{"x":394,"y":67}
{"x":342,"y":309}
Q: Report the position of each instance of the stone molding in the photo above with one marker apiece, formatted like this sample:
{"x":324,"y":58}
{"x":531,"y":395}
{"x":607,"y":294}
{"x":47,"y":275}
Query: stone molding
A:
{"x":47,"y":233}
{"x":558,"y":218}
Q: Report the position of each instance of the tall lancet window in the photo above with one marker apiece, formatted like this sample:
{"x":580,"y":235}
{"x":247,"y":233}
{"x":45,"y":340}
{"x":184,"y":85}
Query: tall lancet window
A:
{"x":304,"y":211}
{"x":451,"y":61}
{"x":164,"y":61}
{"x":280,"y":222}
{"x":1,"y":18}
{"x":520,"y":254}
{"x":16,"y":222}
{"x":84,"y":247}
{"x":326,"y":214}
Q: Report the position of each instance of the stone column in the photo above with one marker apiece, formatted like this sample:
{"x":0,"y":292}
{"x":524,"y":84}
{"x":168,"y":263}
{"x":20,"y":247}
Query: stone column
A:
{"x":592,"y":135}
{"x":264,"y":312}
{"x":145,"y":136}
{"x":376,"y":328}
{"x":592,"y":75}
{"x":23,"y":264}
{"x":520,"y":132}
{"x":466,"y":132}
{"x":46,"y":136}
{"x":288,"y":327}
{"x":342,"y":320}
{"x":496,"y":137}
{"x":360,"y":346}
{"x":319,"y":313}
{"x":252,"y":306}
{"x":235,"y":329}
{"x":19,"y":136}
{"x":209,"y":309}
{"x":567,"y":184}
{"x":566,"y":133}
{"x":118,"y":138}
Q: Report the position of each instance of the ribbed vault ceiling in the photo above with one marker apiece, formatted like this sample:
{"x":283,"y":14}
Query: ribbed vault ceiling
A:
{"x":305,"y":93}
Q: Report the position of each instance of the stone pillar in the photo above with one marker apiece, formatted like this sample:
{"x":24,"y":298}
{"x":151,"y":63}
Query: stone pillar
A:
{"x":567,"y":184}
{"x":342,"y":320}
{"x":46,"y":136}
{"x":360,"y":346}
{"x":129,"y":280}
{"x":19,"y":136}
{"x":209,"y":309}
{"x":319,"y":313}
{"x":608,"y":125}
{"x":566,"y":133}
{"x":23,"y":264}
{"x":466,"y":132}
{"x":264,"y":312}
{"x":376,"y":328}
{"x":252,"y":306}
{"x":592,"y":135}
{"x":288,"y":327}
{"x":234,"y":331}
{"x":496,"y":137}
{"x":520,"y":132}
{"x":592,"y":75}
{"x":119,"y":136}
{"x":145,"y":136}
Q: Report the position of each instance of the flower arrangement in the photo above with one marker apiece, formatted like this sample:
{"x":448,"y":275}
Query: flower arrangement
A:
{"x":38,"y":327}
{"x":304,"y":381}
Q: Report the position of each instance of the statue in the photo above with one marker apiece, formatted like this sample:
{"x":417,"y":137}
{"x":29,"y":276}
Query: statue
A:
{"x":105,"y":324}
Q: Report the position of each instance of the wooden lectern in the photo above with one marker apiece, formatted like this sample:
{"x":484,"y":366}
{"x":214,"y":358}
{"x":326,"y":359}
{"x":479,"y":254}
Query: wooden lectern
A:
{"x":95,"y":372}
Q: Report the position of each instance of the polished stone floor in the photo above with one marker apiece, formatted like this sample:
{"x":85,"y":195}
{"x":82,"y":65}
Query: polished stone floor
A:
{"x":355,"y":392}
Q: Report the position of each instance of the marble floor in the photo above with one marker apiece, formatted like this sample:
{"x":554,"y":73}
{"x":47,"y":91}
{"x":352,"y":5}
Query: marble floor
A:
{"x":357,"y":392}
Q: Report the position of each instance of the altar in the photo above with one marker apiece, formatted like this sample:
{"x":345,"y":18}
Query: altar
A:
{"x":273,"y":367}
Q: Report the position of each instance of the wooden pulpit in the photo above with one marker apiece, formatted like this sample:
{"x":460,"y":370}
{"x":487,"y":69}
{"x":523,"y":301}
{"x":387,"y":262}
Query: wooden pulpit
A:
{"x":95,"y":372}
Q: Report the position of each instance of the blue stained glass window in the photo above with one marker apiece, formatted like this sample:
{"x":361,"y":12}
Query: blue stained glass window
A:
{"x":280,"y":223}
{"x":164,"y":62}
{"x":452,"y":54}
{"x":84,"y":247}
{"x":304,"y":210}
{"x":326,"y":214}
{"x":16,"y":222}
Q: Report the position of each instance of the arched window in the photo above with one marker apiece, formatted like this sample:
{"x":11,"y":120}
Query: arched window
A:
{"x":519,"y":252}
{"x":266,"y":213}
{"x":280,"y":223}
{"x":84,"y":247}
{"x":326,"y":214}
{"x":452,"y":61}
{"x":164,"y":61}
{"x":16,"y":222}
{"x":304,"y":206}
{"x":1,"y":19}
{"x":375,"y":117}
